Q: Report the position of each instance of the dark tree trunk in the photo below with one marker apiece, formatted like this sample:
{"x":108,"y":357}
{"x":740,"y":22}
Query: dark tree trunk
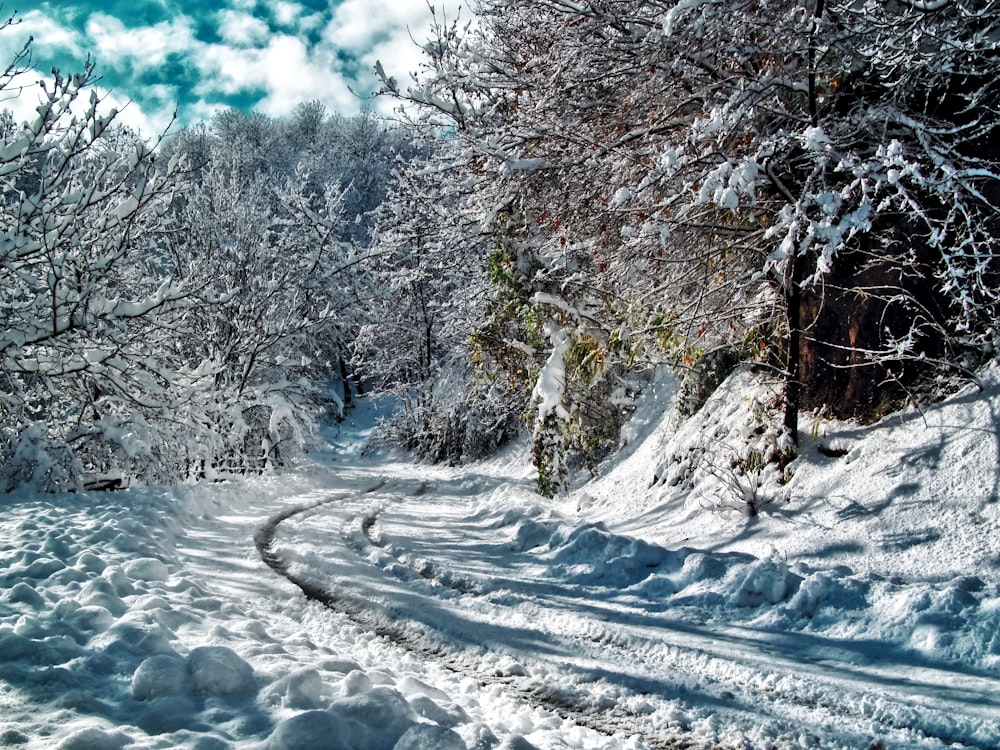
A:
{"x":345,"y":379}
{"x":793,"y":274}
{"x":793,"y":314}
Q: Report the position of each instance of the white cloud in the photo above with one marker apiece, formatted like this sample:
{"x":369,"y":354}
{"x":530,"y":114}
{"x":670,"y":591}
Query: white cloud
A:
{"x":242,"y":29}
{"x":294,"y":76}
{"x":285,"y":70}
{"x":311,"y":22}
{"x":112,"y":44}
{"x":286,"y":13}
{"x":387,"y":31}
{"x":47,"y":33}
{"x":202,"y":111}
{"x":150,"y":124}
{"x":356,"y":24}
{"x":30,"y":95}
{"x":117,"y":45}
{"x":227,"y":69}
{"x":399,"y":55}
{"x":22,"y":96}
{"x":399,"y":49}
{"x":281,"y":67}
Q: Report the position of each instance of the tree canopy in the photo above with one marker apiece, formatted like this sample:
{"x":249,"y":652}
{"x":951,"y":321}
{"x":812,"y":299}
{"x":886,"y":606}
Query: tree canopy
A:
{"x":806,"y":185}
{"x":182,"y":308}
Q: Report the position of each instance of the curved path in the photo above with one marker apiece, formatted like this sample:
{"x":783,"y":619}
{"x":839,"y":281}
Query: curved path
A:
{"x":433,"y":570}
{"x":376,"y":619}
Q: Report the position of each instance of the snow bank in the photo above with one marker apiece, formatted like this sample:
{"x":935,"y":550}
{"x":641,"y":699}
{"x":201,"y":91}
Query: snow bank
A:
{"x":892,"y":536}
{"x":110,"y":625}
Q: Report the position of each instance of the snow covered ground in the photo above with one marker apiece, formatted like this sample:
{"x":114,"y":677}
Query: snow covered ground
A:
{"x":860,"y":608}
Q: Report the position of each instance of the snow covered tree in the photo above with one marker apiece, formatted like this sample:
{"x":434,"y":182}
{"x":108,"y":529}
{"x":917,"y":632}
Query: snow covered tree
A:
{"x":175,"y":310}
{"x":859,"y":140}
{"x":363,"y":154}
{"x":810,"y":184}
{"x":80,"y":290}
{"x":426,"y":301}
{"x":265,"y":261}
{"x":316,"y":155}
{"x":553,"y":321}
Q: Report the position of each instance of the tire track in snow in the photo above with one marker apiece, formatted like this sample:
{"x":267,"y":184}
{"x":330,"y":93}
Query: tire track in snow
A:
{"x":832,"y":693}
{"x":374,"y":618}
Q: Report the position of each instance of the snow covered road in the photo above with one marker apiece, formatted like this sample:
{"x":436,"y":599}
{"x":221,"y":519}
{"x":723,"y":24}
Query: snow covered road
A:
{"x":471,"y":614}
{"x":568,"y":618}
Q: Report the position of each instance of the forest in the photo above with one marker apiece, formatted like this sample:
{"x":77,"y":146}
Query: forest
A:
{"x":573,"y":194}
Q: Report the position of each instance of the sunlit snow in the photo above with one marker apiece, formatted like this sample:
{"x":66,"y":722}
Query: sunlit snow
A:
{"x":862,"y":609}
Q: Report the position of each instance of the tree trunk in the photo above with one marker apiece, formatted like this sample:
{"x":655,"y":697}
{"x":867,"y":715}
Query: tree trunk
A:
{"x":793,"y":274}
{"x":345,"y":379}
{"x":793,"y":315}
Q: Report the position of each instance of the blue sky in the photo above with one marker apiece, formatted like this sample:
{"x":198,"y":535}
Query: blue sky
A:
{"x":200,"y":55}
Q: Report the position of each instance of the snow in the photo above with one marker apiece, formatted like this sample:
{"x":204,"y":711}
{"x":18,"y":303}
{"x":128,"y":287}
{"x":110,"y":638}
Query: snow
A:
{"x":859,"y":608}
{"x":127,"y":208}
{"x":622,"y":196}
{"x":551,"y":382}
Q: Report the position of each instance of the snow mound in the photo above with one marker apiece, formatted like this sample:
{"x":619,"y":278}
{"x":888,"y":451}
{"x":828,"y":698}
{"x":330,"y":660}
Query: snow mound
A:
{"x":159,"y":676}
{"x":311,"y":729}
{"x":429,"y":737}
{"x":146,"y":651}
{"x":218,"y":670}
{"x":94,"y":738}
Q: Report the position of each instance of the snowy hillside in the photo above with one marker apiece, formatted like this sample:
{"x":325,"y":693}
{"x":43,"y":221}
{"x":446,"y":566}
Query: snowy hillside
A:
{"x":860,"y":608}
